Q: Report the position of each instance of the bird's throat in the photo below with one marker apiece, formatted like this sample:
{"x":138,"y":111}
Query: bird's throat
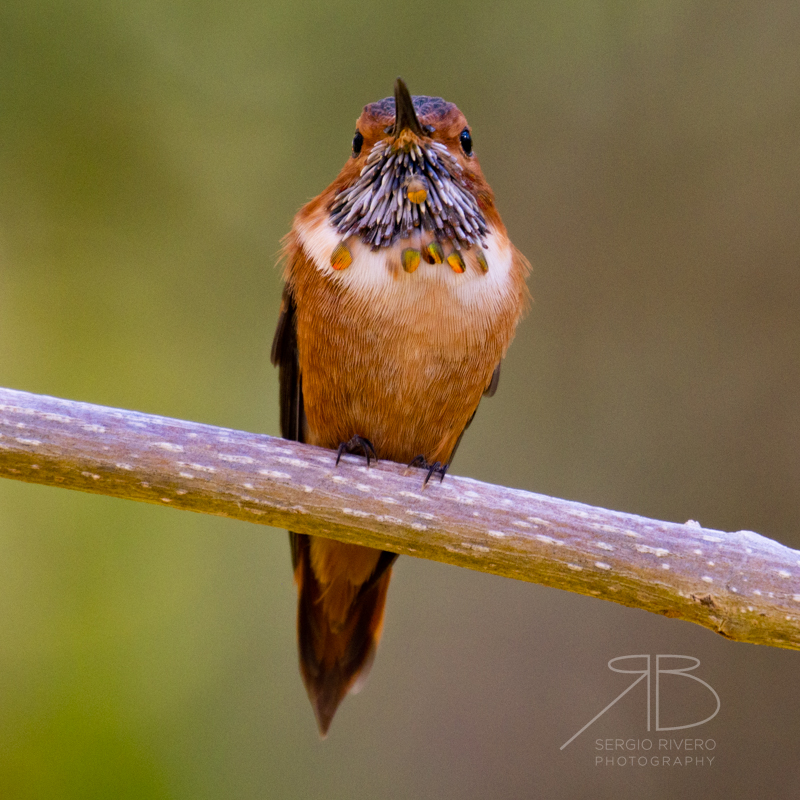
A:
{"x":409,"y":185}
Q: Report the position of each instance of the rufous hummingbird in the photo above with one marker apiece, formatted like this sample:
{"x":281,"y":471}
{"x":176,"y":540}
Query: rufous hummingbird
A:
{"x":402,"y":295}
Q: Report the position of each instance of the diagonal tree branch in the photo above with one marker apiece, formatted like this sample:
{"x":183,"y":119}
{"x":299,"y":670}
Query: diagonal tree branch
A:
{"x":741,"y":585}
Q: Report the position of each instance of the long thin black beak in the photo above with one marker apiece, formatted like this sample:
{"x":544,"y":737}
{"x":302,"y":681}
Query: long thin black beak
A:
{"x":405,"y":116}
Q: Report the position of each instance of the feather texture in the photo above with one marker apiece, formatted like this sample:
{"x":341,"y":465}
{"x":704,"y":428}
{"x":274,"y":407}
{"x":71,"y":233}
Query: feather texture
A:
{"x":400,"y":358}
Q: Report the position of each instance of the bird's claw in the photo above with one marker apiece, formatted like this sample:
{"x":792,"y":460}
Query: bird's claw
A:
{"x":436,"y":467}
{"x":357,"y":443}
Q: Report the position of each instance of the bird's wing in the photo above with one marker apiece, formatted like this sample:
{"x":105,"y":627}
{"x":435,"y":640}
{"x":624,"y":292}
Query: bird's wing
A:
{"x":492,"y":387}
{"x":487,"y":392}
{"x":284,"y":356}
{"x":292,"y":414}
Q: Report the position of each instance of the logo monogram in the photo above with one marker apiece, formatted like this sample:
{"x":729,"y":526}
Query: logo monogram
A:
{"x":646,"y":674}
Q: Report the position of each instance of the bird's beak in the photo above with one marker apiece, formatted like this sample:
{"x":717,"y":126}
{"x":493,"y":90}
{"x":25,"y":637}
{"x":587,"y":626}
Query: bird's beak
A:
{"x":405,"y":116}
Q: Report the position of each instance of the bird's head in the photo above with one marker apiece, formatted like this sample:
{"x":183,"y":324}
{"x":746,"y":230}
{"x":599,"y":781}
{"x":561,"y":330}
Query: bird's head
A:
{"x":413,"y":177}
{"x":412,"y":190}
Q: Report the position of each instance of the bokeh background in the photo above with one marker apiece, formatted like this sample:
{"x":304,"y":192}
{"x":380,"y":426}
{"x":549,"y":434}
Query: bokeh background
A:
{"x":646,"y":158}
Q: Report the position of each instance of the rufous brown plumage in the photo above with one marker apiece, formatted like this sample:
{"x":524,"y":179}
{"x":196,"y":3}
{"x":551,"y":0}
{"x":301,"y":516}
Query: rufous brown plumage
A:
{"x":402,"y":294}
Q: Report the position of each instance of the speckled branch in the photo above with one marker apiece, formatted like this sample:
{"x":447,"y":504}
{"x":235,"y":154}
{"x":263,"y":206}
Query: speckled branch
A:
{"x":741,"y":585}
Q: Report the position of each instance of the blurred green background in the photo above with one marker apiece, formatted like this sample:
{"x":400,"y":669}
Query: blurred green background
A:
{"x":645,"y":157}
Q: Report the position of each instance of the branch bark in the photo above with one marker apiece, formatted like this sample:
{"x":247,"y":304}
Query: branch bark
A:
{"x":741,"y":585}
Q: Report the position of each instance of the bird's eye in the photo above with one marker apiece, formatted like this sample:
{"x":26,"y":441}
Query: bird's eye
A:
{"x":358,"y":143}
{"x":466,"y":142}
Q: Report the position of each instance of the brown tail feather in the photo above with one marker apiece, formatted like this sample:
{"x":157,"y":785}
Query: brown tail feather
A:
{"x":335,"y":656}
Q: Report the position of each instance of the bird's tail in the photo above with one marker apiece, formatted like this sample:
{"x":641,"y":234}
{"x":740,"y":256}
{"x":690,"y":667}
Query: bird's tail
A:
{"x":337,"y":636}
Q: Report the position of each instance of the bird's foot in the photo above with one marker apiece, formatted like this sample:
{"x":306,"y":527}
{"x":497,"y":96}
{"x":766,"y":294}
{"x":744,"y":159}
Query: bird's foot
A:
{"x":437,"y":468}
{"x":355,"y":445}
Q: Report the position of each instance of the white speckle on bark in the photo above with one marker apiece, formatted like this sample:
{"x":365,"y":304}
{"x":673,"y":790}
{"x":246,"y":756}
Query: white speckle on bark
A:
{"x":549,"y":539}
{"x":293,"y":462}
{"x":235,"y":459}
{"x":271,"y":473}
{"x":606,"y":528}
{"x":660,"y":552}
{"x":421,"y":514}
{"x":57,"y":418}
{"x":198,"y":467}
{"x":169,"y":446}
{"x":707,"y":579}
{"x":413,"y":495}
{"x":354,"y":512}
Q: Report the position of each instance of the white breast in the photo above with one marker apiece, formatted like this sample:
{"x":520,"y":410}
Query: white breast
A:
{"x":377,"y":278}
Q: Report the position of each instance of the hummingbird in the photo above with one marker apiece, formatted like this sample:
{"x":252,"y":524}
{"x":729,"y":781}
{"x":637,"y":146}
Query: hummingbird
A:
{"x":402,"y":294}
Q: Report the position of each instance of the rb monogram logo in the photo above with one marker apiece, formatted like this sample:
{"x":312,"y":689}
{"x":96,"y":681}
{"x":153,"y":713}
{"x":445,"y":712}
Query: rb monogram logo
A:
{"x":645,"y":673}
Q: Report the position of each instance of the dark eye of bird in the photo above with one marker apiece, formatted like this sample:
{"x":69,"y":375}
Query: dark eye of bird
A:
{"x":358,"y":142}
{"x":466,"y":142}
